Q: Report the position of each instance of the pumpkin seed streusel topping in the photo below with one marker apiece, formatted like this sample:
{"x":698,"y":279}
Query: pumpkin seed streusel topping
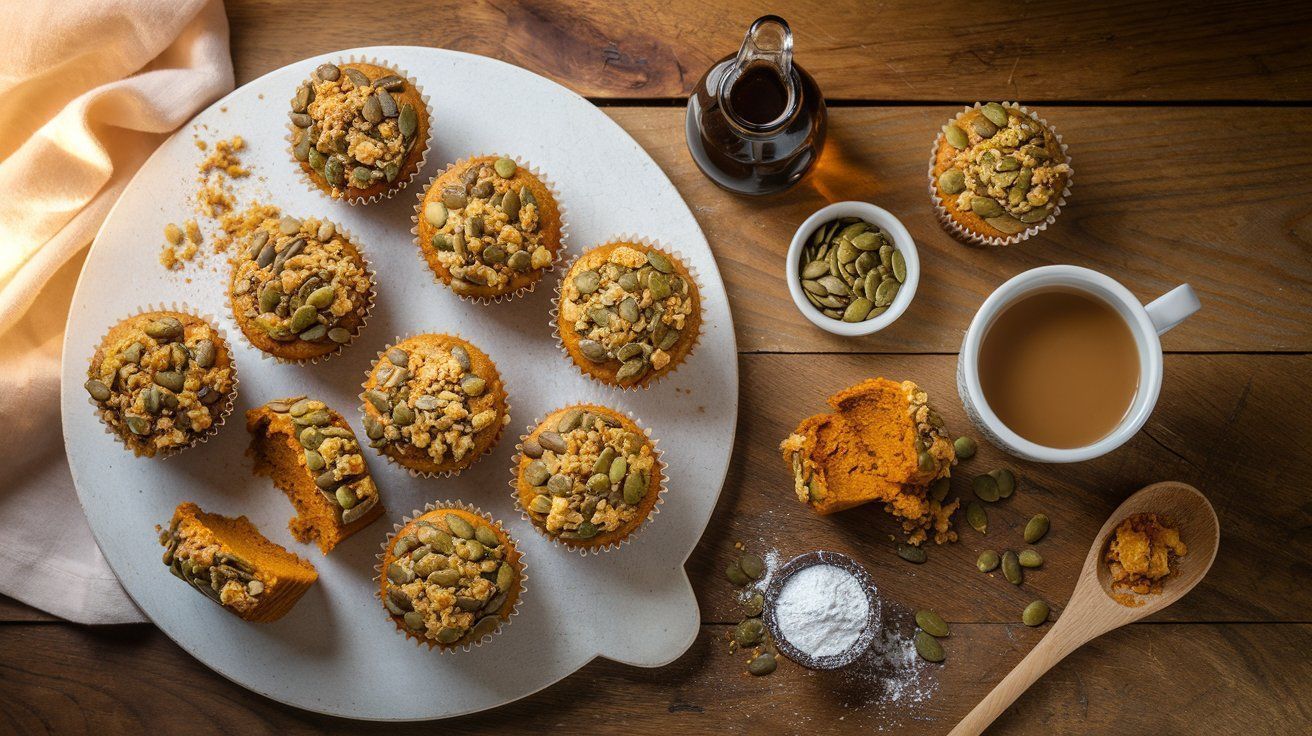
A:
{"x":350,"y":129}
{"x":487,"y":229}
{"x":158,"y":386}
{"x":304,"y":284}
{"x":222,"y":576}
{"x":332,"y":454}
{"x":630,"y":309}
{"x":1008,"y":169}
{"x":590,"y":475}
{"x":428,"y":397}
{"x":929,"y":426}
{"x":449,"y":578}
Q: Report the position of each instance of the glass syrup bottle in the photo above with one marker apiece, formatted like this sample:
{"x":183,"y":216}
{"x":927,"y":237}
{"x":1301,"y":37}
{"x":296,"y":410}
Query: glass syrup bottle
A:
{"x":756,"y":121}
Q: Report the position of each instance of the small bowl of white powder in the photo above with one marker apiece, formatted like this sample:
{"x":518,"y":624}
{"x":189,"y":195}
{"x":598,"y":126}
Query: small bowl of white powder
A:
{"x":822,"y":610}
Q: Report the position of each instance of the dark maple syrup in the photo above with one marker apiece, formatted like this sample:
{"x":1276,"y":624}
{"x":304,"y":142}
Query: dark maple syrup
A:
{"x":756,"y":121}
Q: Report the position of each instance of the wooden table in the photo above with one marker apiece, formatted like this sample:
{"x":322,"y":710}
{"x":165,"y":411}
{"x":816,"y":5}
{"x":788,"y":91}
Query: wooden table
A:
{"x":1190,"y":132}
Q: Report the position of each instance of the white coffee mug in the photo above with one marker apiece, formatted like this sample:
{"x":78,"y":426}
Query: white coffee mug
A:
{"x":1145,"y":323}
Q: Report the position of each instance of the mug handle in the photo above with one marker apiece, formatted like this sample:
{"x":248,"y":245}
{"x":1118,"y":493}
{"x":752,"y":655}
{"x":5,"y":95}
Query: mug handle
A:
{"x":1171,"y":308}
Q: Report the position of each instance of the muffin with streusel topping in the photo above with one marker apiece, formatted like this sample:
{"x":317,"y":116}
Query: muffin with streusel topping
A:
{"x":489,"y":228}
{"x":299,"y":289}
{"x":434,"y":404}
{"x":628,"y":313}
{"x":587,"y":476}
{"x":359,"y":130}
{"x":450,"y":577}
{"x":162,"y":381}
{"x":998,"y":175}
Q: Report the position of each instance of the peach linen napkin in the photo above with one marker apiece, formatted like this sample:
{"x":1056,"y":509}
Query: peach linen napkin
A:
{"x":88,"y":89}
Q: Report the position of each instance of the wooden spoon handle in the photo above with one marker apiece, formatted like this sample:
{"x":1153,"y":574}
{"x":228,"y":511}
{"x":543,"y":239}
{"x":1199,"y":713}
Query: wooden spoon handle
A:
{"x":1060,"y":641}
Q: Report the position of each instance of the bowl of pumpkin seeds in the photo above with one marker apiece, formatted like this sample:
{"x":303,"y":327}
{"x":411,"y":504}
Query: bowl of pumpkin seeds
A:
{"x":852,"y":268}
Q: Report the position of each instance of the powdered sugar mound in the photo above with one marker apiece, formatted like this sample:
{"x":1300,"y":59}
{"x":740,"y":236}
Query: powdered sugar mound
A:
{"x":822,"y":610}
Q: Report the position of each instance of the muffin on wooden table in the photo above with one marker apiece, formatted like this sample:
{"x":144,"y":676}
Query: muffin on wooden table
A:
{"x":434,"y":404}
{"x":359,"y":130}
{"x":999,"y":174}
{"x":450,"y":577}
{"x":234,"y":565}
{"x":311,"y":454}
{"x":628,"y":313}
{"x":587,"y":477}
{"x":300,"y":289}
{"x":489,"y":228}
{"x":162,"y":381}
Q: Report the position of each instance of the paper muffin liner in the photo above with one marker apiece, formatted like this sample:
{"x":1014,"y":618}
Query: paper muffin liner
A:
{"x":657,"y":455}
{"x":387,"y":545}
{"x":397,"y":185}
{"x":652,"y":378}
{"x":364,"y":318}
{"x":220,"y":416}
{"x":550,"y":267}
{"x":496,"y":440}
{"x":959,"y":232}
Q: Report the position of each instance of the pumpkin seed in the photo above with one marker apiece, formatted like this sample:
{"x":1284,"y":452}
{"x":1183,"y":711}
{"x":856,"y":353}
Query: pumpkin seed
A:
{"x":552,"y":441}
{"x":988,"y":561}
{"x":815,"y":269}
{"x":635,"y":488}
{"x":736,"y":575}
{"x":171,"y":380}
{"x":1005,"y":223}
{"x":964,"y":447}
{"x":166,"y":329}
{"x":618,"y":467}
{"x":926,"y":462}
{"x":98,"y":390}
{"x":1006,"y":482}
{"x":911,"y":554}
{"x":459,"y":527}
{"x":1036,"y":528}
{"x":587,"y":282}
{"x":928,"y":647}
{"x":327,"y":72}
{"x":977,"y":517}
{"x":762,"y":664}
{"x":1011,"y":568}
{"x":997,"y":114}
{"x":858,"y":310}
{"x":956,"y":136}
{"x":1030,"y":558}
{"x":333,"y":170}
{"x":1035,"y":614}
{"x":932,"y":623}
{"x":754,"y":604}
{"x":505,"y":167}
{"x":986,"y":488}
{"x":407,"y":120}
{"x":985,"y":207}
{"x":752,"y":565}
{"x":938,"y":490}
{"x":631,"y":370}
{"x":749,"y":632}
{"x":952,"y":181}
{"x":1035,"y":215}
{"x":448,"y":635}
{"x":473,"y":385}
{"x":886,"y":292}
{"x":541,"y":504}
{"x":983,"y":127}
{"x":659,"y":262}
{"x":586,"y":530}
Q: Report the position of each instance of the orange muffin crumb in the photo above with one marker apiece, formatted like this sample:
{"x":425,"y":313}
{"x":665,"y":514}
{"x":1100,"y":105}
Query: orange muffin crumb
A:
{"x":1143,"y":552}
{"x":882,"y":443}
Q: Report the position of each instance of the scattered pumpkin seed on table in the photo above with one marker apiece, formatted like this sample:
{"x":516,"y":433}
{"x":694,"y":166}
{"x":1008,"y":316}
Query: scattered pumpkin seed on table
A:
{"x":988,"y":561}
{"x":1036,"y":528}
{"x":762,"y":664}
{"x":977,"y":517}
{"x":1011,"y":568}
{"x":928,"y":647}
{"x":1035,"y":613}
{"x":964,"y":447}
{"x":932,"y":623}
{"x":1005,"y":480}
{"x":911,"y":553}
{"x":986,"y":488}
{"x":1030,"y":558}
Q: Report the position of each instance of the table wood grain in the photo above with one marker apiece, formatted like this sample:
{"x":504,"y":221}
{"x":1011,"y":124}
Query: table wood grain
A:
{"x":1189,"y":134}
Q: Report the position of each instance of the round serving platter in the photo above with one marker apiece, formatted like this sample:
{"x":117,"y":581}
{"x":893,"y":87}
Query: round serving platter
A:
{"x":336,"y":652}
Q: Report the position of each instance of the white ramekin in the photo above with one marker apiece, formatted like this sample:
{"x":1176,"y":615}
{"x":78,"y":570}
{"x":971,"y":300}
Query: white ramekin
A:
{"x":901,"y":240}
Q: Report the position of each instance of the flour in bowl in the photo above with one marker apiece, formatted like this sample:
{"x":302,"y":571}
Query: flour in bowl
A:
{"x":822,"y":610}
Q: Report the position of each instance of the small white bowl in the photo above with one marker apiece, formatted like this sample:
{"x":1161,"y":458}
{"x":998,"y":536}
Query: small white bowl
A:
{"x":901,"y":240}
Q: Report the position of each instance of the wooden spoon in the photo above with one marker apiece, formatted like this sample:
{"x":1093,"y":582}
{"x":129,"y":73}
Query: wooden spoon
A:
{"x":1092,"y":611}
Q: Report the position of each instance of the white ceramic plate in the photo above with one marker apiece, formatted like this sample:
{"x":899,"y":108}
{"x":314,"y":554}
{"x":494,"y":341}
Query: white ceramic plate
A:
{"x":336,"y":652}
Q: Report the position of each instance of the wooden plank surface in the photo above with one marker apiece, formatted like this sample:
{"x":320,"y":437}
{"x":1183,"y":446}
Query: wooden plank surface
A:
{"x":1160,"y":196}
{"x":959,"y":52}
{"x":1147,"y":678}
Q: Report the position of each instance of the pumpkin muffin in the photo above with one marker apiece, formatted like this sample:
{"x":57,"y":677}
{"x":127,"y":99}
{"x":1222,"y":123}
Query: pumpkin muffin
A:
{"x":310,"y":452}
{"x":434,"y":404}
{"x":359,"y":131}
{"x":162,"y":381}
{"x":628,"y":313}
{"x":299,"y":290}
{"x":882,"y":443}
{"x":450,"y":577}
{"x":587,"y":477}
{"x":997,"y":174}
{"x":233,"y":564}
{"x":489,"y":228}
{"x":1143,"y":553}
